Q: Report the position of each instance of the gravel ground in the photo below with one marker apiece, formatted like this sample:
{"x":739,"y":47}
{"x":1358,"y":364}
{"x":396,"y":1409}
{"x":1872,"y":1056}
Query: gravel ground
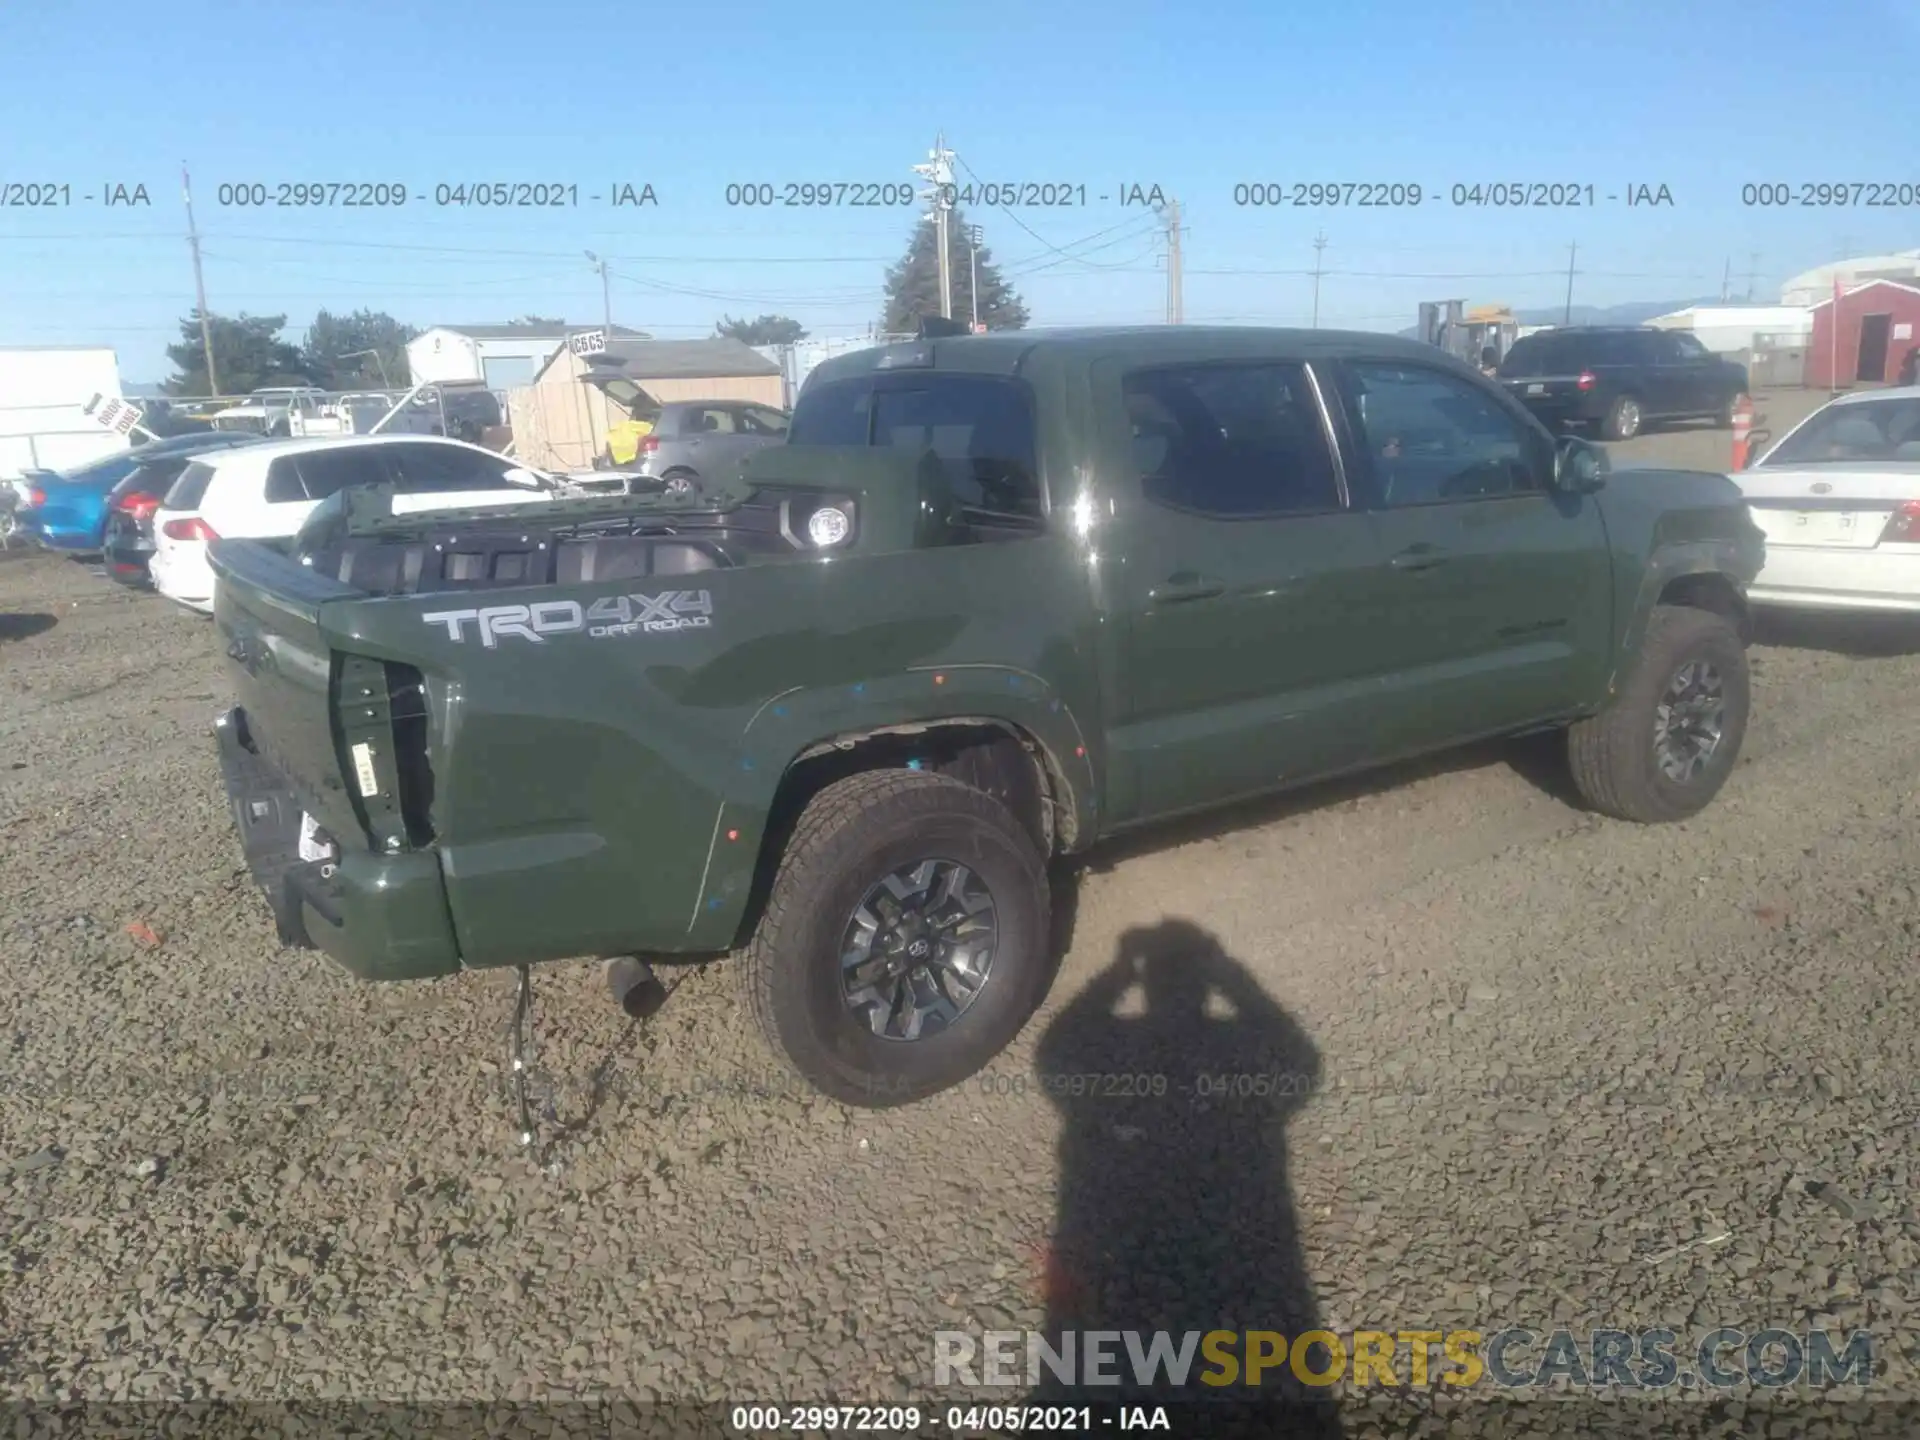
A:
{"x":1546,"y":1053}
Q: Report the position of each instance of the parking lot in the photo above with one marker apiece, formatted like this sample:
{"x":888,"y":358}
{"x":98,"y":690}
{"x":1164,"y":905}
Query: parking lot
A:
{"x":1541,"y":1069}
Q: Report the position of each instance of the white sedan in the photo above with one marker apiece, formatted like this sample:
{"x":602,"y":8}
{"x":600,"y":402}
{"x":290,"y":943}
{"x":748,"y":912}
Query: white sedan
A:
{"x":1839,"y":499}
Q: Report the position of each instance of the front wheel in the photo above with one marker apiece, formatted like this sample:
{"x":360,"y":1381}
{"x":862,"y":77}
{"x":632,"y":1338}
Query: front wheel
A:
{"x":904,"y":941}
{"x":1664,"y":747}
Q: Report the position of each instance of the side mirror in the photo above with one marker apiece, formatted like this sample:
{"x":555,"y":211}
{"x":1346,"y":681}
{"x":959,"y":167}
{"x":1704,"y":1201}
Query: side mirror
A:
{"x":1579,"y":467}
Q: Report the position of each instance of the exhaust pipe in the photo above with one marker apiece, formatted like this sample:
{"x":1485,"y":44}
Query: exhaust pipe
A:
{"x":635,"y":988}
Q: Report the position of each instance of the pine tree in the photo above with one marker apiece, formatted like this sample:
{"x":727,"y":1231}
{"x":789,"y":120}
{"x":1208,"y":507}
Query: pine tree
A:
{"x":248,"y":353}
{"x":913,"y":285}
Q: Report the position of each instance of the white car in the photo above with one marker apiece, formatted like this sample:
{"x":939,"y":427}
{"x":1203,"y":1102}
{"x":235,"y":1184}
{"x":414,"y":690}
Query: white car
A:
{"x":1839,"y":499}
{"x":266,"y":492}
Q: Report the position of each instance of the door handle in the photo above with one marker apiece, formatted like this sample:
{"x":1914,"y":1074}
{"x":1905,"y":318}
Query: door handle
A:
{"x":1185,"y":586}
{"x":1419,"y":557}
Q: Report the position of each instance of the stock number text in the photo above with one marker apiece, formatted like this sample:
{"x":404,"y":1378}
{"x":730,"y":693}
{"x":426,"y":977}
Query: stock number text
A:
{"x":764,"y":193}
{"x":754,"y":1419}
{"x":299,"y":194}
{"x":1314,"y":193}
{"x":1876,"y":194}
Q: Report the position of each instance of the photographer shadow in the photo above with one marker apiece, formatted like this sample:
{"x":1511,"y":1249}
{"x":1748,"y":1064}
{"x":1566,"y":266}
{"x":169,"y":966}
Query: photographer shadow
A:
{"x":1175,"y":1212}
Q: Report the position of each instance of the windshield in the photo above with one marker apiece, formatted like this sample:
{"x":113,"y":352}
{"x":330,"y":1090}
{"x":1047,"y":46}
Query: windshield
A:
{"x":1857,"y":431}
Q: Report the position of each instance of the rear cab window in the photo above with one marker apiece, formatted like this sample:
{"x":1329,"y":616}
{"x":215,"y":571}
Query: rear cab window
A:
{"x":980,"y":427}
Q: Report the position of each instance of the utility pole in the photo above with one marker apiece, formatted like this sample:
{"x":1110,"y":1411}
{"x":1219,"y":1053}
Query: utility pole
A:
{"x":973,"y":271}
{"x":938,"y":172}
{"x":1319,"y":244}
{"x":1176,"y":280}
{"x":1753,"y":269}
{"x":1726,"y":279}
{"x":199,"y":280}
{"x":1572,"y":250}
{"x":606,"y":294}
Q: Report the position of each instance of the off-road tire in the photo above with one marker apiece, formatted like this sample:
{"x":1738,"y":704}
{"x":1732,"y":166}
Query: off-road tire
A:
{"x":1611,"y":754}
{"x":850,"y":835}
{"x":1614,"y":427}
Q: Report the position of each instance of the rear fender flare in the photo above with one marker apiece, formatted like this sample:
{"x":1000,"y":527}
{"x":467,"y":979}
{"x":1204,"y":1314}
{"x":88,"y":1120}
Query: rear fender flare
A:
{"x":813,"y":720}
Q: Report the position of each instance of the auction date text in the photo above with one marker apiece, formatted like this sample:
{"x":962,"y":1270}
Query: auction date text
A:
{"x":60,"y":195}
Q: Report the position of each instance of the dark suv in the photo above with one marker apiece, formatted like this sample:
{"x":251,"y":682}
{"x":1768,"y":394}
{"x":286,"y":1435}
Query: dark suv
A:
{"x":1619,"y":378}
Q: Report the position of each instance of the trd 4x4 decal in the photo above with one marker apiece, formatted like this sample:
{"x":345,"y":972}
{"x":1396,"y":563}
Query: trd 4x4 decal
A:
{"x":609,"y":615}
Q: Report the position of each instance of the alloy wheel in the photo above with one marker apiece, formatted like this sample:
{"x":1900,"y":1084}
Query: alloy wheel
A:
{"x":918,"y":949}
{"x":1689,"y":721}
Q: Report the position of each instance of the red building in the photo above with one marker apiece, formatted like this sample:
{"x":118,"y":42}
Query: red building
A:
{"x":1864,"y":336}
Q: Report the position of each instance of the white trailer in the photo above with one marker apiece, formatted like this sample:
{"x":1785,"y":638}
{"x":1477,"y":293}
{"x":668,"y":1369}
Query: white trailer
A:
{"x":44,"y":393}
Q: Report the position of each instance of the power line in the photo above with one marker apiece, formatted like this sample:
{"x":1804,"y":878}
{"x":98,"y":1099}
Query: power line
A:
{"x":1033,"y":264}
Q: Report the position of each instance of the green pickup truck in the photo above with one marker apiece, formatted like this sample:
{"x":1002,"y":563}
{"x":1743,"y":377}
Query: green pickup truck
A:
{"x":998,"y":598}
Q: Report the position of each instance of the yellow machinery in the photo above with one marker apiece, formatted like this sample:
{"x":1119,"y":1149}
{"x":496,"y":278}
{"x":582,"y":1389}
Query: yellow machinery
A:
{"x":1467,"y":331}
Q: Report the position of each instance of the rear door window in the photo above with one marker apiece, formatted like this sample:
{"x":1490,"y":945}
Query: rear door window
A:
{"x":1231,"y":440}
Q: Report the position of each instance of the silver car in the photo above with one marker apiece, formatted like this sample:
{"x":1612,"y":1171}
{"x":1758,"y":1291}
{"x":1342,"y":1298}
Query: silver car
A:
{"x":696,"y":441}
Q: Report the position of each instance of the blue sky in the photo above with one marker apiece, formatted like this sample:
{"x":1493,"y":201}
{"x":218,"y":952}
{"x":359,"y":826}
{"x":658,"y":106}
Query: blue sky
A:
{"x":1698,"y":95}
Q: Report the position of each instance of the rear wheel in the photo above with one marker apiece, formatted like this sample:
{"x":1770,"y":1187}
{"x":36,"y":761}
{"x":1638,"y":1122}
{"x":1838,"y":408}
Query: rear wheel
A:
{"x":1624,"y":419}
{"x":680,"y":485}
{"x":904,"y":940}
{"x":1666,"y":745}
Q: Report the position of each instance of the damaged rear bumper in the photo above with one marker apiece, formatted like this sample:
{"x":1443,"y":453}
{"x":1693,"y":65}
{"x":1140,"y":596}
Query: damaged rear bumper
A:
{"x":381,"y":917}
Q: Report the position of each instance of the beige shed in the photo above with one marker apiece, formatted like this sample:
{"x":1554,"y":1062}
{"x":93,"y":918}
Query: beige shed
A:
{"x":560,"y":422}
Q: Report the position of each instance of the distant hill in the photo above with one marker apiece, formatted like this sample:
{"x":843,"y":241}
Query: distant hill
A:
{"x":1632,"y":312}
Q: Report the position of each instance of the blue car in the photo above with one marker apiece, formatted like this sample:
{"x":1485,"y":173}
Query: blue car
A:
{"x":67,"y":510}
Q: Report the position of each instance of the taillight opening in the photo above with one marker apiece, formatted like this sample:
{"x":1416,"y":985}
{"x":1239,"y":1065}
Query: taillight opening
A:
{"x":190,"y":529}
{"x":1903,"y":526}
{"x":138,"y":505}
{"x":1586,"y":380}
{"x":649,"y":444}
{"x":36,"y":497}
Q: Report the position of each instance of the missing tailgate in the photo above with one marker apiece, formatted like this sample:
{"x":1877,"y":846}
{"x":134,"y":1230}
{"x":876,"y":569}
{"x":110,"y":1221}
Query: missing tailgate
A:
{"x":407,"y":708}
